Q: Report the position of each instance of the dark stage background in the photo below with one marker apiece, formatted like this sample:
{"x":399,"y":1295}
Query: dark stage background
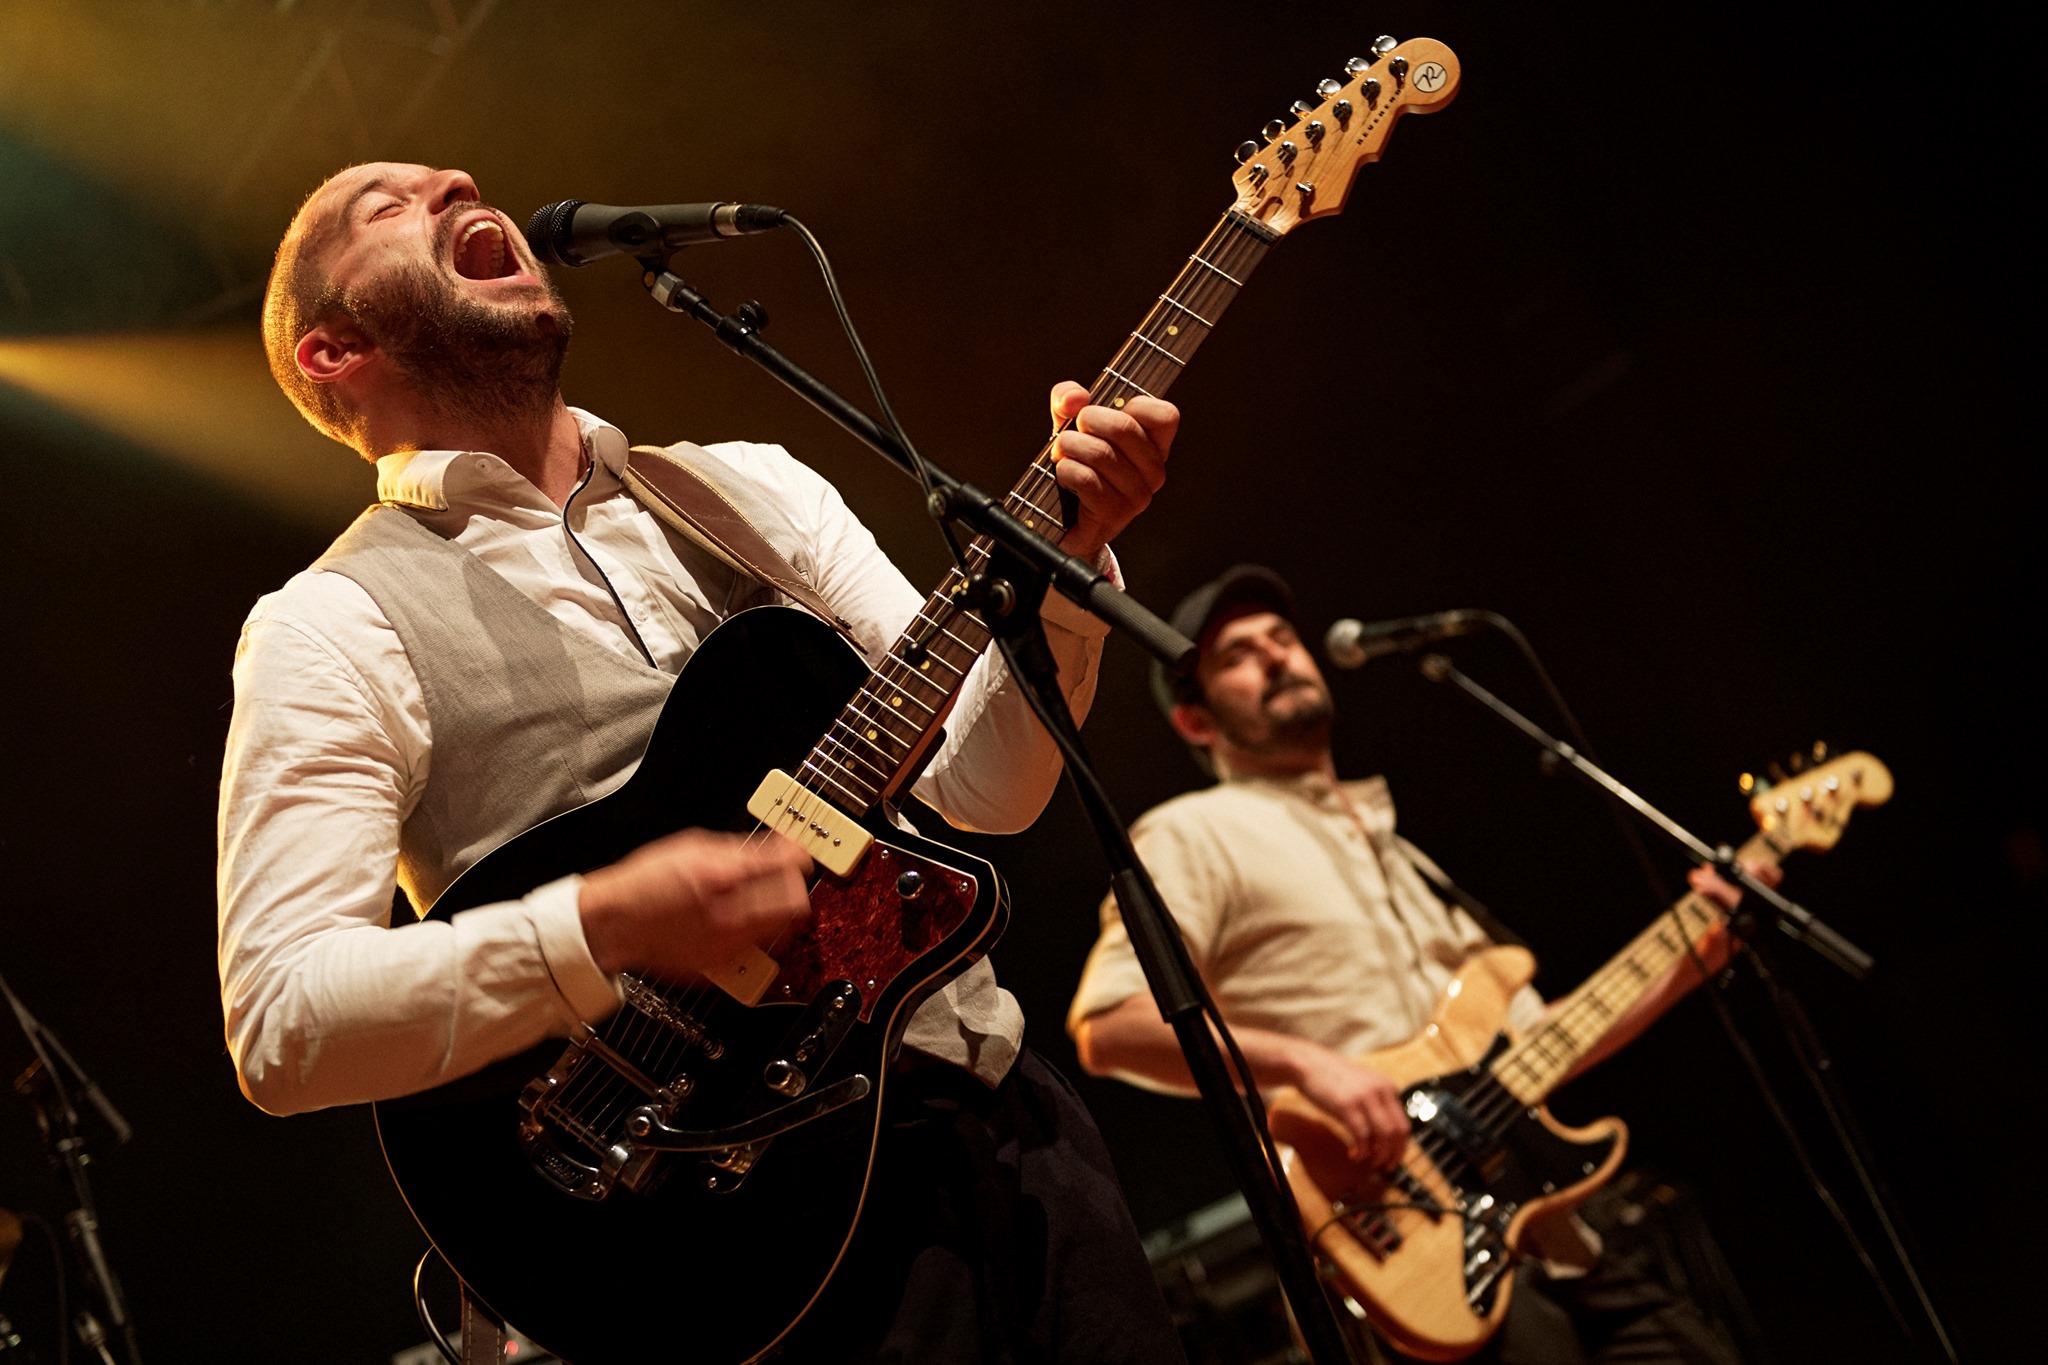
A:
{"x":1683,"y":338}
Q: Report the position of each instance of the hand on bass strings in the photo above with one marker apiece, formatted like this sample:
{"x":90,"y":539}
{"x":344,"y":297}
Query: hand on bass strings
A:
{"x":1112,"y":459}
{"x":1365,"y":1101}
{"x":693,"y":901}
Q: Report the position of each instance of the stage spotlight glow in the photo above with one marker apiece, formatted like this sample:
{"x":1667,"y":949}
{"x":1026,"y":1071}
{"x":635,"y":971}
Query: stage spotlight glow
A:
{"x":205,"y":400}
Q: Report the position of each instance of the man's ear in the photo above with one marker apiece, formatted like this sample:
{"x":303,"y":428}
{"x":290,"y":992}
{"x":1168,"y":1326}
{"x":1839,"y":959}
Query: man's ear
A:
{"x":332,"y":351}
{"x":1193,"y":723}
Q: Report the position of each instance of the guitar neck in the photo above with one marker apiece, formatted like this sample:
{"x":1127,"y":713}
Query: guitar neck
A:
{"x":1539,"y":1063}
{"x":880,"y":738}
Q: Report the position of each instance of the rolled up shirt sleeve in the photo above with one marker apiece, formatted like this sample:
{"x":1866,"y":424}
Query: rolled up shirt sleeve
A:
{"x":323,"y":1003}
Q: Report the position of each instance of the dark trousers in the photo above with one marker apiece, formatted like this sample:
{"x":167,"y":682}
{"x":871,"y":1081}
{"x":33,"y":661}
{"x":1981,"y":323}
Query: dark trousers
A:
{"x":995,"y":1233}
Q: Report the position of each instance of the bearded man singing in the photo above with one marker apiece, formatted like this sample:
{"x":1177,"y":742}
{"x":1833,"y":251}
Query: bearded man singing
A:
{"x":382,"y":736}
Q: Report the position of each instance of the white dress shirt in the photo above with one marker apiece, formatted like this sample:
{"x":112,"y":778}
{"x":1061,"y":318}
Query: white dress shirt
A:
{"x":329,"y":750}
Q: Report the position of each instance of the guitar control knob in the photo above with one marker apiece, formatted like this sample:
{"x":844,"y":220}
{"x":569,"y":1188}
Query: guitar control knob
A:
{"x":1382,"y":45}
{"x":1273,"y":129}
{"x":1245,"y":152}
{"x":1328,"y":87}
{"x":783,"y":1078}
{"x":910,"y":884}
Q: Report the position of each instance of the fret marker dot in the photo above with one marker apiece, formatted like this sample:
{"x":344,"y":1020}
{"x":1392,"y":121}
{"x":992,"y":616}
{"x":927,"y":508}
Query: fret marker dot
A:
{"x":871,"y":734}
{"x":895,"y":701}
{"x":1028,"y":522}
{"x":927,"y":664}
{"x":1172,"y":329}
{"x":1119,"y":403}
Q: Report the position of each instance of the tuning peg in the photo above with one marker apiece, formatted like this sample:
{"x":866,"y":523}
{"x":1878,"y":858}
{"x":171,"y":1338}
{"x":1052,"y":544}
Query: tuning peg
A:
{"x":1327,"y":87}
{"x":1399,"y":68}
{"x":1382,"y":45}
{"x":1749,"y":786}
{"x":1357,"y":65}
{"x":1371,"y":90}
{"x":1245,"y":152}
{"x":1796,"y":761}
{"x":1774,"y":772}
{"x":1273,"y":129}
{"x":1315,"y":132}
{"x":1287,"y":153}
{"x":1820,"y":751}
{"x":1301,"y":107}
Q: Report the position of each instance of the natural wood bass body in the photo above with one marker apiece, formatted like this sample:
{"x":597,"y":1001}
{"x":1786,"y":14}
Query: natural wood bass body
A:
{"x":1407,"y":1267}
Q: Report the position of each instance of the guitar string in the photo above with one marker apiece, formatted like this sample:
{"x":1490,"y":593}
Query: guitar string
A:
{"x":1230,"y":250}
{"x":1039,"y":482}
{"x":1205,"y":306}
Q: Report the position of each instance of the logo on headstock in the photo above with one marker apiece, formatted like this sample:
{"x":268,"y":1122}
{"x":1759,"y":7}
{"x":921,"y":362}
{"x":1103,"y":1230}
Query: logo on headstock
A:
{"x":1430,"y":77}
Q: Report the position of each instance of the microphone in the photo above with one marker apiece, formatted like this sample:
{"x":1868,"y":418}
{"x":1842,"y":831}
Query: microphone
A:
{"x":1353,"y":644}
{"x":574,"y":233}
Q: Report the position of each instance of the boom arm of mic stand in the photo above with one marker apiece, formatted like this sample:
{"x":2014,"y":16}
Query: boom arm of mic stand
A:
{"x":1076,"y":579}
{"x":1794,"y":919}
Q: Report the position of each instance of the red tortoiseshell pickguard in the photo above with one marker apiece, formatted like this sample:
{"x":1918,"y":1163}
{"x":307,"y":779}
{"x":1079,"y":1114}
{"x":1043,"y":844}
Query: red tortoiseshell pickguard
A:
{"x":862,"y":929}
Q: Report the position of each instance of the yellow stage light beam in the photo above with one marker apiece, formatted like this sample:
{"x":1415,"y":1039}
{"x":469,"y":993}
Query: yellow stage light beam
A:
{"x":205,"y":400}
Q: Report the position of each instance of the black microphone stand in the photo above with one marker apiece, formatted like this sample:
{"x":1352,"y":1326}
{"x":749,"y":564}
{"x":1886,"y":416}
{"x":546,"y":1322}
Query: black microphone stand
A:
{"x":1007,"y":595}
{"x":1795,"y":919}
{"x":43,"y":1086}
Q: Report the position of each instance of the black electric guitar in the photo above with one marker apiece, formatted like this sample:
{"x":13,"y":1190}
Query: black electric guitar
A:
{"x":685,"y":1179}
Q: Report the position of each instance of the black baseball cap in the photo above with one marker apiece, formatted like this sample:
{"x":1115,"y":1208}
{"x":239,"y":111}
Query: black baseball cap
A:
{"x":1240,"y":585}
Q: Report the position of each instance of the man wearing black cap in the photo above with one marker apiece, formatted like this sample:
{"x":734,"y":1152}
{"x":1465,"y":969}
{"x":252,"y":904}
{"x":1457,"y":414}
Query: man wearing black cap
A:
{"x":1322,"y":936}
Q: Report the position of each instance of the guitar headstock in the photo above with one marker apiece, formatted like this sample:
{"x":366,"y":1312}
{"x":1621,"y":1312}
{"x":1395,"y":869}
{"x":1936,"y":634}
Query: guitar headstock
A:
{"x":1809,"y":806}
{"x":1302,"y":170}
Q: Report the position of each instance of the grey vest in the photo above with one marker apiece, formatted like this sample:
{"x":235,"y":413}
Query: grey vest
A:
{"x":528,"y":719}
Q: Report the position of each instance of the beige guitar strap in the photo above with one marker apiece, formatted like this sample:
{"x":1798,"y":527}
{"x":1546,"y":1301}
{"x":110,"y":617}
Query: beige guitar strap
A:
{"x":695,"y":507}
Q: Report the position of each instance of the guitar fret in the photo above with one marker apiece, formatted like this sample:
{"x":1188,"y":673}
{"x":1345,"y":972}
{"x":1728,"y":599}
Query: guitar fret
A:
{"x":1132,"y":382}
{"x":1176,"y":303}
{"x":860,"y":799}
{"x":854,"y":755}
{"x":1157,"y":347}
{"x":896,"y":701}
{"x":1219,"y":270}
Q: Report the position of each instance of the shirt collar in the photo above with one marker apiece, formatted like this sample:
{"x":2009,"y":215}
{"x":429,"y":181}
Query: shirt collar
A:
{"x":428,"y":479}
{"x":1367,"y":793}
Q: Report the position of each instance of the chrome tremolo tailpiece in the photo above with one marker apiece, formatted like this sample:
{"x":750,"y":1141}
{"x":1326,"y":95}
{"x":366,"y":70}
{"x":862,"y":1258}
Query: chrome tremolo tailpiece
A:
{"x":650,"y":1129}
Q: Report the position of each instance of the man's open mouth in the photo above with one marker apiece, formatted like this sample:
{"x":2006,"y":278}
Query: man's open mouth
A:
{"x":482,"y":253}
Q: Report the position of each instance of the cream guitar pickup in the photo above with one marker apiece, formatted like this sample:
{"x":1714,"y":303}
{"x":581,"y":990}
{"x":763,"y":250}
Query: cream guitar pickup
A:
{"x":814,"y":824}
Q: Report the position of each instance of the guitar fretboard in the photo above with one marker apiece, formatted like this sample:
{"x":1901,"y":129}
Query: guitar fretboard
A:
{"x":1540,"y":1062}
{"x":880,"y":736}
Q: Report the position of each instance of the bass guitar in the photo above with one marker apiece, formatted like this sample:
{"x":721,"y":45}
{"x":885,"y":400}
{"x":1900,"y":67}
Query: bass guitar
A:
{"x":1427,"y":1251}
{"x":683,"y":1180}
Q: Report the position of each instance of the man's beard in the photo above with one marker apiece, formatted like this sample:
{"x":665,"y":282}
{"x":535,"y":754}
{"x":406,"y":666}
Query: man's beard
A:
{"x":1305,"y":718}
{"x":473,"y":361}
